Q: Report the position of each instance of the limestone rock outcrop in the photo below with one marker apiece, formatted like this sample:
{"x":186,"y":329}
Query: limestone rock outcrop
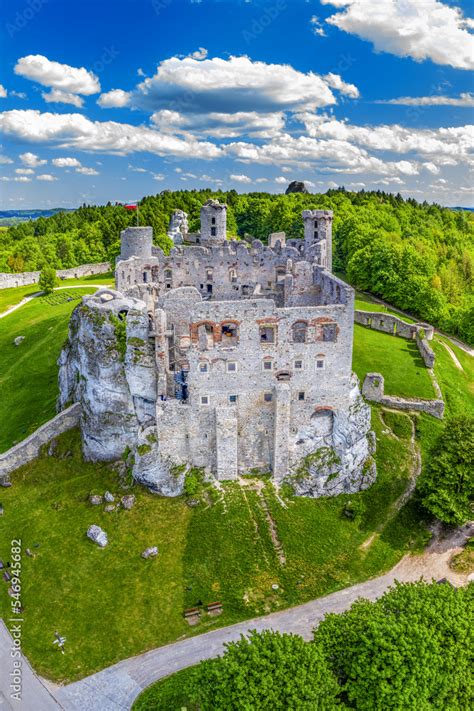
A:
{"x":334,"y":455}
{"x":178,"y":227}
{"x":108,"y":365}
{"x":296,"y":186}
{"x":152,"y":470}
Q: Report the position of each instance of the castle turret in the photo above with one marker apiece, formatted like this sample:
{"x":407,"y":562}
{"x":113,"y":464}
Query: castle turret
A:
{"x":213,"y":222}
{"x":318,"y":235}
{"x":136,"y":242}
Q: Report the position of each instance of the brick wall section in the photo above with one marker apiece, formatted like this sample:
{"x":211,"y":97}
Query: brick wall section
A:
{"x":381,"y":321}
{"x":9,"y":281}
{"x":373,"y":390}
{"x":28,"y":449}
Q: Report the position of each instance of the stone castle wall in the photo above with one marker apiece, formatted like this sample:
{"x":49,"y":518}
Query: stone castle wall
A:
{"x":373,"y":390}
{"x":29,"y":448}
{"x":388,"y":323}
{"x":9,"y":281}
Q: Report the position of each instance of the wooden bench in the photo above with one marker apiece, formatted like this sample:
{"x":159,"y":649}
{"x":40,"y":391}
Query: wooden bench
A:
{"x":214,"y":608}
{"x":192,"y":615}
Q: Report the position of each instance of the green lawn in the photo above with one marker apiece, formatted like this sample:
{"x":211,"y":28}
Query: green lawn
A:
{"x":456,"y":385}
{"x":111,"y":604}
{"x":28,"y":372}
{"x":397,"y":359}
{"x":11,"y":297}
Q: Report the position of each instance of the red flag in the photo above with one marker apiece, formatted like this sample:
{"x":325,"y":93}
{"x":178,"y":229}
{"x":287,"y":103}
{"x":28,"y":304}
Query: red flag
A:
{"x":131,"y":207}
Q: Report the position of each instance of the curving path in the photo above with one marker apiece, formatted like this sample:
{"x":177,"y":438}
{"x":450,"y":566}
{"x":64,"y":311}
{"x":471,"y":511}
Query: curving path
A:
{"x":40,"y":293}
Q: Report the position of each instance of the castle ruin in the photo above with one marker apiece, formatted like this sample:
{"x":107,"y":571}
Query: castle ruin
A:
{"x":223,"y":355}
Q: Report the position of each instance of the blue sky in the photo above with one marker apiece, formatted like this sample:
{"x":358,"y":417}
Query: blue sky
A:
{"x":114,"y":100}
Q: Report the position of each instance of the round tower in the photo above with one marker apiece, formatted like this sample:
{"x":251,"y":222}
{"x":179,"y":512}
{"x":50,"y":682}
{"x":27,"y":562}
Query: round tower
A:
{"x":136,"y":242}
{"x":318,"y":234}
{"x":213,"y":222}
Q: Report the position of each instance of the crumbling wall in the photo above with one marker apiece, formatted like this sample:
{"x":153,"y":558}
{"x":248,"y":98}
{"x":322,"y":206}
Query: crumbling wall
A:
{"x":421,"y":332}
{"x":373,"y":390}
{"x":29,"y":448}
{"x":9,"y":281}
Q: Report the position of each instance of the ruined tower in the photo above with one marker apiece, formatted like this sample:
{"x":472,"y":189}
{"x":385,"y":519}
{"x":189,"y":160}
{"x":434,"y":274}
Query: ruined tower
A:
{"x":213,"y":222}
{"x":318,"y":236}
{"x":136,"y":242}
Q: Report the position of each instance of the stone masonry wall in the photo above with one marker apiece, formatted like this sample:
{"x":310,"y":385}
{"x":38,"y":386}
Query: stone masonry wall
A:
{"x":9,"y":281}
{"x":28,"y":449}
{"x":373,"y":390}
{"x":421,"y":332}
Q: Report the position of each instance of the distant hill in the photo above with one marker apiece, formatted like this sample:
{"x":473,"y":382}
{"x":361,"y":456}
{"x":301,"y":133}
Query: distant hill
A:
{"x":14,"y":217}
{"x":470,"y":209}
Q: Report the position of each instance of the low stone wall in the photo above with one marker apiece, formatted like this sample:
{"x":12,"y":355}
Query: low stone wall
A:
{"x":420,"y":332}
{"x":426,"y":351}
{"x":373,"y":390}
{"x":9,"y":281}
{"x":29,"y":448}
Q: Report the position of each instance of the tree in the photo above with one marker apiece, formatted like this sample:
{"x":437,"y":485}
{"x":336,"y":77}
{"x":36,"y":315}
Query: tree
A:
{"x":266,"y":671}
{"x":48,"y":279}
{"x":446,"y":486}
{"x":410,"y":649}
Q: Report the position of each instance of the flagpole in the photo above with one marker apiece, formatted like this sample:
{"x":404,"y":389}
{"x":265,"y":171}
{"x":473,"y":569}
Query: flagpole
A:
{"x":137,"y":214}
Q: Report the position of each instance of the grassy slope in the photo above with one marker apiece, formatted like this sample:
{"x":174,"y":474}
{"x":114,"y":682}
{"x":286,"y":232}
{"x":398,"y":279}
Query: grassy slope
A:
{"x":397,"y":359}
{"x":28,"y":372}
{"x":11,"y":297}
{"x":111,"y":604}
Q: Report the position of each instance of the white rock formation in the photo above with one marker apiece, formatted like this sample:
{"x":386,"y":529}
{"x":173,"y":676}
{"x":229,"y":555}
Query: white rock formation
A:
{"x":334,"y":456}
{"x":108,"y":365}
{"x":178,"y":227}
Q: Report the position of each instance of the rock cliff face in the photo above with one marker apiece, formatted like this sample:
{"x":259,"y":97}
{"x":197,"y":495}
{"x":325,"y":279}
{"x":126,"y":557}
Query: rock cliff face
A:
{"x":108,"y":365}
{"x":334,"y":455}
{"x":178,"y":227}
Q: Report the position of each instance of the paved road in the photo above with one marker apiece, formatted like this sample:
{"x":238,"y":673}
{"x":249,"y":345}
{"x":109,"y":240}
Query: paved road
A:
{"x":34,"y":696}
{"x":40,"y":293}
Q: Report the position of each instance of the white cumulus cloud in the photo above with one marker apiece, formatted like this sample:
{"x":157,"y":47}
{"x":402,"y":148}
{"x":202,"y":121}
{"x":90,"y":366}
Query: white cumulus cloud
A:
{"x":420,"y":29}
{"x":241,"y":178}
{"x":116,"y":98}
{"x":24,"y":171}
{"x":31,"y":160}
{"x":76,"y":80}
{"x":87,"y":171}
{"x":47,"y":177}
{"x":66,"y":162}
{"x":78,"y":132}
{"x":3,"y":92}
{"x":56,"y":96}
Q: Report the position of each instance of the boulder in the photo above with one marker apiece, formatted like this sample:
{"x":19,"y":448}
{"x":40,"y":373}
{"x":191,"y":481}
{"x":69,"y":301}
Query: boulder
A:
{"x":150,"y":552}
{"x":18,"y":340}
{"x":110,"y":498}
{"x":97,"y":535}
{"x":96,"y":499}
{"x":128,"y":501}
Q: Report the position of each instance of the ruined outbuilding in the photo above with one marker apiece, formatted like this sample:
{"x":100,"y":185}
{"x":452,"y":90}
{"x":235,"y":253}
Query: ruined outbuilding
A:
{"x":223,"y":355}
